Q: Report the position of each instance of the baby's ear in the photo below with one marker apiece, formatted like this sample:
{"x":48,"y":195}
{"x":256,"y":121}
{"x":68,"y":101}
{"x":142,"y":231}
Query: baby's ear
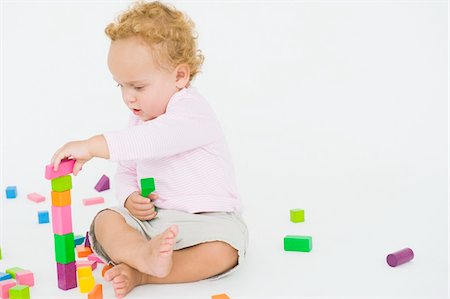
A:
{"x":183,"y":74}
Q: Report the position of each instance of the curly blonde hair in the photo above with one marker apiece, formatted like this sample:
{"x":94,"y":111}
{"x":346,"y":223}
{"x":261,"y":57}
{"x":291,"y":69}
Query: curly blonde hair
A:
{"x":168,"y":32}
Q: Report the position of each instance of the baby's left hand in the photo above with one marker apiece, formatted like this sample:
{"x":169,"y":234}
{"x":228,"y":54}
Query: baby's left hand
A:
{"x":78,"y":150}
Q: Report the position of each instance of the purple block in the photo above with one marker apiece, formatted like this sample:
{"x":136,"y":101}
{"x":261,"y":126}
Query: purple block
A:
{"x":87,"y":243}
{"x":67,"y":276}
{"x":400,"y":257}
{"x":103,"y":184}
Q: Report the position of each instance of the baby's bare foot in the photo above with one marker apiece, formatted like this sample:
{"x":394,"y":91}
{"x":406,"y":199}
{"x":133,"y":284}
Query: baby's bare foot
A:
{"x":156,"y":254}
{"x":124,"y":279}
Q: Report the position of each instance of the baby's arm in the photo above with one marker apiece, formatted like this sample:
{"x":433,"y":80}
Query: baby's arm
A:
{"x":82,"y":151}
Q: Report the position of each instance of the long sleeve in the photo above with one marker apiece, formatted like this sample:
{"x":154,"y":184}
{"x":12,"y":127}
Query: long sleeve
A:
{"x":188,"y":123}
{"x":126,"y":179}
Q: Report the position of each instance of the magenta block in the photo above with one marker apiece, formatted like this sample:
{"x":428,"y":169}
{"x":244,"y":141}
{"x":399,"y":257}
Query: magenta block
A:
{"x":93,"y":201}
{"x":94,"y":257}
{"x":35,"y":197}
{"x":400,"y":257}
{"x":87,"y":243}
{"x":103,"y":184}
{"x":5,"y":285}
{"x":65,"y":168}
{"x":67,"y":276}
{"x":25,"y":278}
{"x":62,"y":220}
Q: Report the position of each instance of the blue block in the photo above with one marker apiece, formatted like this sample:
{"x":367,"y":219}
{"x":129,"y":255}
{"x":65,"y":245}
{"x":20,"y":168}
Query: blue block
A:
{"x":79,"y":239}
{"x":4,"y":276}
{"x":43,"y":217}
{"x":11,"y":192}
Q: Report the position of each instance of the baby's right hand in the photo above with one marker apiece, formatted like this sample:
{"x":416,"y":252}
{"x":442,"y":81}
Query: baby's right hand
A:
{"x":141,"y":207}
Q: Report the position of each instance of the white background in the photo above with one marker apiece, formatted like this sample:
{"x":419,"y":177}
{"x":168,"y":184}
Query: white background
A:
{"x":340,"y":108}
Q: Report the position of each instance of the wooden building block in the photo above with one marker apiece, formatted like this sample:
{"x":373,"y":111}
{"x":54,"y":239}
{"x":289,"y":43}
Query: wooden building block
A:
{"x":88,"y":263}
{"x":64,"y":248}
{"x":43,"y":217}
{"x":5,"y":285}
{"x":62,"y":220}
{"x":36,"y":197}
{"x":220,"y":296}
{"x":298,"y":243}
{"x":96,"y":293}
{"x":86,"y":283}
{"x":11,"y":192}
{"x":103,"y":184}
{"x":62,"y":184}
{"x":19,"y":292}
{"x":106,"y":268}
{"x":25,"y":278}
{"x":65,"y":168}
{"x":93,"y":201}
{"x":147,"y":186}
{"x":13,"y":271}
{"x":61,"y":199}
{"x":67,"y":276}
{"x":83,"y":251}
{"x":5,"y":276}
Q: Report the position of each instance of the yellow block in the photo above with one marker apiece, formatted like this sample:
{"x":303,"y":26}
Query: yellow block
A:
{"x":85,"y":271}
{"x":61,"y":199}
{"x":86,"y":284}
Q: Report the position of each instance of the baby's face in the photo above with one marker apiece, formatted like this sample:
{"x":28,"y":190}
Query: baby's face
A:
{"x":146,"y":87}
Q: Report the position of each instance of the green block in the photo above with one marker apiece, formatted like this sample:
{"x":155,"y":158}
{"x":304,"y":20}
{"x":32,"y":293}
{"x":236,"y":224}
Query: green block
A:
{"x":0,"y":253}
{"x":298,"y":243}
{"x":147,"y":186}
{"x":64,"y":248}
{"x":297,"y":215}
{"x":13,"y":271}
{"x":19,"y":292}
{"x":62,"y":183}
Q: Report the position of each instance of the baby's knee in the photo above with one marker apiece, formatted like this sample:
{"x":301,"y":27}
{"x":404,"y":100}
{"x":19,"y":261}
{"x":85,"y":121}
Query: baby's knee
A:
{"x":105,"y":219}
{"x":225,"y":255}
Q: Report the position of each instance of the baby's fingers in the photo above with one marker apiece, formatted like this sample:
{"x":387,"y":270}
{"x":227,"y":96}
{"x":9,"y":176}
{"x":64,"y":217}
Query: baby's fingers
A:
{"x":78,"y":166}
{"x":153,"y":196}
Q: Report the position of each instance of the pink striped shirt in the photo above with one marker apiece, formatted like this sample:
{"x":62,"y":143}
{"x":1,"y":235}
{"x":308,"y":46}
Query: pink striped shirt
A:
{"x":185,"y":150}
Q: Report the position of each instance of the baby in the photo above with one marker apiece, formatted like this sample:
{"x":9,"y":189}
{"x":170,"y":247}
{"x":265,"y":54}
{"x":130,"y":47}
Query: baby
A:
{"x":189,"y":229}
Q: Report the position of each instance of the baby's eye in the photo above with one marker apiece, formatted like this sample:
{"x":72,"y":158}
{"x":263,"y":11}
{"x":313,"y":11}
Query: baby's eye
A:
{"x":138,"y":87}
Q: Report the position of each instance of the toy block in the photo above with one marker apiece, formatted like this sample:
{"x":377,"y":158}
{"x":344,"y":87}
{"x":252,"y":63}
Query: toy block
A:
{"x":25,"y":278}
{"x":93,"y":201}
{"x":61,"y":199}
{"x":92,"y":264}
{"x":220,"y":296}
{"x":83,"y":251}
{"x":103,"y":184}
{"x":11,"y":192}
{"x":62,"y":184}
{"x":87,"y":243}
{"x":13,"y":271}
{"x":298,"y":243}
{"x":96,"y":293}
{"x":64,"y":248}
{"x":62,"y":220}
{"x":43,"y":217}
{"x":147,"y":186}
{"x":36,"y":197}
{"x":5,"y":285}
{"x":95,"y":258}
{"x":85,"y":271}
{"x":19,"y":292}
{"x":400,"y":257}
{"x":86,"y":283}
{"x":106,"y":268}
{"x":65,"y":168}
{"x":79,"y":239}
{"x":5,"y":276}
{"x":297,"y":215}
{"x":67,"y":276}
{"x":0,"y":253}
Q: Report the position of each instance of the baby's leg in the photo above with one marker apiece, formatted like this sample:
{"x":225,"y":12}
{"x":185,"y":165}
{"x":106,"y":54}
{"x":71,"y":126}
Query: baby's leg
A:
{"x":124,"y":244}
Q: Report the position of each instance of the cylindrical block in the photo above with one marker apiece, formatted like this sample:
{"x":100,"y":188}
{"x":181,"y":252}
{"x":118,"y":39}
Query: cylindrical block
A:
{"x":400,"y":257}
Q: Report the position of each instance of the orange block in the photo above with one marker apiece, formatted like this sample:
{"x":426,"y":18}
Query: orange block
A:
{"x":83,"y":251}
{"x":106,"y":268}
{"x":96,"y":293}
{"x":61,"y":199}
{"x":220,"y":296}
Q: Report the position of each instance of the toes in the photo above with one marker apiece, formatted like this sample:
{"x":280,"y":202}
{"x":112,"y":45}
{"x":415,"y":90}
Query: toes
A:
{"x":112,"y":273}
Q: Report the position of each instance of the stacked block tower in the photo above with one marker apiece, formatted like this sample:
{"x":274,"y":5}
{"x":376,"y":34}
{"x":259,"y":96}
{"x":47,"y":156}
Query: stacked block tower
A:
{"x":61,"y":182}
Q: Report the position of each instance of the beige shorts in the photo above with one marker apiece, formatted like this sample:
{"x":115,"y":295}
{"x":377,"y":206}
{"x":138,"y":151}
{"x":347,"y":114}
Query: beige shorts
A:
{"x":193,"y":229}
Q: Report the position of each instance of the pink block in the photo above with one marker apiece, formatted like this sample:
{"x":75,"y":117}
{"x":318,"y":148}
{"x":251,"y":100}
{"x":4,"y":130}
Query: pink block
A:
{"x":5,"y":285}
{"x":94,"y":257}
{"x":65,"y":168}
{"x":35,"y":197}
{"x":62,"y":220}
{"x":84,"y":263}
{"x":93,"y":201}
{"x":25,"y":278}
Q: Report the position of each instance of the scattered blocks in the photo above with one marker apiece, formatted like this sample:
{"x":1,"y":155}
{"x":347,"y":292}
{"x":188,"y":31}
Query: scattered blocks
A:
{"x":93,"y":201}
{"x":147,"y":186}
{"x":62,"y":220}
{"x":220,"y":296}
{"x":36,"y":197}
{"x":400,"y":257}
{"x":61,"y":199}
{"x":67,"y":278}
{"x":11,"y":192}
{"x":64,"y":248}
{"x":25,"y":278}
{"x":96,"y":293}
{"x":13,"y":271}
{"x":5,"y":276}
{"x":298,"y":243}
{"x":43,"y":217}
{"x":62,"y":184}
{"x":19,"y":292}
{"x":5,"y":285}
{"x":85,"y":279}
{"x":297,"y":215}
{"x":103,"y":184}
{"x":79,"y":239}
{"x":83,"y":251}
{"x":106,"y":268}
{"x":65,"y":168}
